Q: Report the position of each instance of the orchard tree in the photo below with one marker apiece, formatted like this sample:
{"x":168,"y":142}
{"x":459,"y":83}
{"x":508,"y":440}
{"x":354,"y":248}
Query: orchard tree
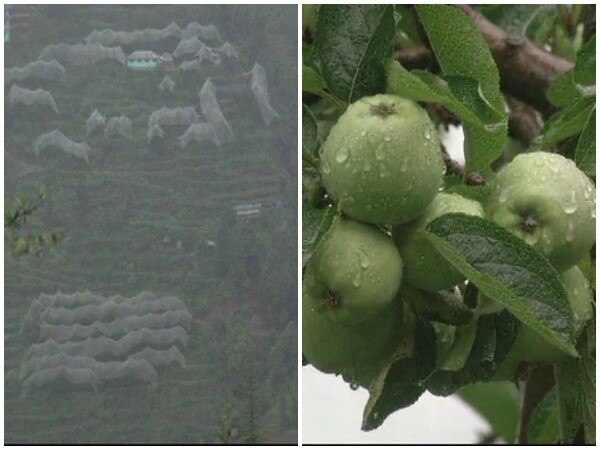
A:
{"x":421,"y":273}
{"x":16,"y":217}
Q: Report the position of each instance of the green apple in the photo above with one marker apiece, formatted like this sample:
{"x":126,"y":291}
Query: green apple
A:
{"x":356,"y":271}
{"x":530,"y":346}
{"x":382,"y":161}
{"x":547,"y":201}
{"x":356,"y":351}
{"x":424,"y":267}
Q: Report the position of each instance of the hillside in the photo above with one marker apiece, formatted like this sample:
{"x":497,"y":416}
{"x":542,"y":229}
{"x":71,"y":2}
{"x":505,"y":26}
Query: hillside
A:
{"x":158,"y":217}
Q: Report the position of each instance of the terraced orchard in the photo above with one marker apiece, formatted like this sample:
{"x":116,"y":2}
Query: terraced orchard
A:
{"x":164,"y":141}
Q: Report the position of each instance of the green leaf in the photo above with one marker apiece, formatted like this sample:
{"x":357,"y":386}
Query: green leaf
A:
{"x":498,"y":403}
{"x":588,"y":381}
{"x":352,"y":41}
{"x":585,"y":153}
{"x":570,"y":401}
{"x":445,"y":336}
{"x":461,"y":51}
{"x":421,"y":86}
{"x":463,"y":343}
{"x":562,"y":91}
{"x":580,"y":82}
{"x":576,"y":390}
{"x":494,"y":337}
{"x":312,"y":81}
{"x":407,"y":27}
{"x":563,"y":44}
{"x":443,"y":306}
{"x":400,"y":384}
{"x":567,"y":122}
{"x":543,"y":425}
{"x":541,"y":29}
{"x":509,"y":271}
{"x":310,"y":143}
{"x":584,"y":74}
{"x":315,"y":224}
{"x":455,"y":184}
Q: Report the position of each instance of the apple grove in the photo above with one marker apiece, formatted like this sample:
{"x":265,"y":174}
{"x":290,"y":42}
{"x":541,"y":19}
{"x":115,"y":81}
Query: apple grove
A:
{"x":423,"y":275}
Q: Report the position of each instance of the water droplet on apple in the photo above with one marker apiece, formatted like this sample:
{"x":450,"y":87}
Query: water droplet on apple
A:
{"x":357,"y":279}
{"x":571,"y":205}
{"x":404,"y":166}
{"x":570,"y":234}
{"x":342,"y":155}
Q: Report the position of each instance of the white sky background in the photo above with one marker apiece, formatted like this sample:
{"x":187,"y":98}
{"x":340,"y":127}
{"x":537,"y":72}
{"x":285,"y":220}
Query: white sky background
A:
{"x":332,"y":412}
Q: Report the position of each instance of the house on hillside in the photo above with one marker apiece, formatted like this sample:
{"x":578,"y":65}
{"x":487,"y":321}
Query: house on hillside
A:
{"x":247,"y":210}
{"x":143,"y":60}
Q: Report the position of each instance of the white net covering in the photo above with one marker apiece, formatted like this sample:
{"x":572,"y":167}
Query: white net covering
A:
{"x":173,"y":117}
{"x":57,"y":139}
{"x":189,"y":46}
{"x":95,"y":121}
{"x":259,"y":87}
{"x":155,"y":131}
{"x":193,"y":64}
{"x":149,"y":35}
{"x":199,"y":132}
{"x":166,"y":84}
{"x":228,"y":50}
{"x":82,"y":54}
{"x":46,"y":70}
{"x":207,"y":32}
{"x":205,"y":54}
{"x":85,"y":340}
{"x":212,"y":112}
{"x":119,"y":126}
{"x":39,"y":97}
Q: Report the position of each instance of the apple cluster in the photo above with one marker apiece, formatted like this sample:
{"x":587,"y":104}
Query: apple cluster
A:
{"x":382,"y":165}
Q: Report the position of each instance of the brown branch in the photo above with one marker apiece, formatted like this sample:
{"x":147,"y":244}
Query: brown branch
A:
{"x":526,"y":70}
{"x":416,"y":58}
{"x":524,"y":122}
{"x":539,"y":382}
{"x":589,"y":22}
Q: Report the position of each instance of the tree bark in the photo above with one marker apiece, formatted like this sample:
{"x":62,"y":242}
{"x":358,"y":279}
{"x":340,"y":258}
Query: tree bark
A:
{"x":526,"y":70}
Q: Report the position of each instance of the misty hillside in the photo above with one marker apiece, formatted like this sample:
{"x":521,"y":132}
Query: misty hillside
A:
{"x":209,"y":218}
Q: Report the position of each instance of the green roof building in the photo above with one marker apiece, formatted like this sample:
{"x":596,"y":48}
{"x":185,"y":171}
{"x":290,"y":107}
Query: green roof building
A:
{"x":143,"y":60}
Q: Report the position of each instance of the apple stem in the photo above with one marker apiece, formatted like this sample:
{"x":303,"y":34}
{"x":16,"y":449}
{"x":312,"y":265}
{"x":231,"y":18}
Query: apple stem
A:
{"x":383,"y":110}
{"x":528,"y":224}
{"x":332,"y":300}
